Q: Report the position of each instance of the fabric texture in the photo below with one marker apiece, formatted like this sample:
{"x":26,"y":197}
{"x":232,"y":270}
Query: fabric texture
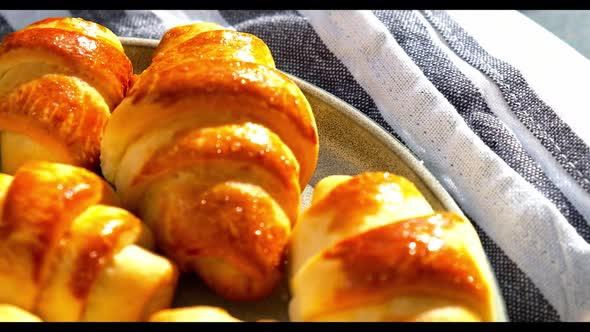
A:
{"x":512,"y":155}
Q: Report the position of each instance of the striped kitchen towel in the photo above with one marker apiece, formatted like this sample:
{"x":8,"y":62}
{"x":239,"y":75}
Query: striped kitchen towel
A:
{"x":492,"y":103}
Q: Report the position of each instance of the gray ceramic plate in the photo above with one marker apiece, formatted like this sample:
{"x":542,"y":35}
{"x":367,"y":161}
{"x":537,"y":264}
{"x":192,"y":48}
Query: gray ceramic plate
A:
{"x":350,"y":143}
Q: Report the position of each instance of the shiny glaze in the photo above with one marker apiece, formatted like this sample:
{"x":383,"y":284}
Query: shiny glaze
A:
{"x":363,"y":195}
{"x":248,"y":142}
{"x":228,"y":222}
{"x":88,"y":57}
{"x":75,"y":24}
{"x":227,"y":45}
{"x":64,"y":108}
{"x":130,"y":124}
{"x":5,"y":181}
{"x":41,"y":203}
{"x":182,"y":33}
{"x":228,"y":229}
{"x":255,"y":153}
{"x":178,"y":83}
{"x":103,"y":237}
{"x":15,"y":314}
{"x":196,"y":78}
{"x":56,"y":224}
{"x":197,"y":313}
{"x":408,"y":257}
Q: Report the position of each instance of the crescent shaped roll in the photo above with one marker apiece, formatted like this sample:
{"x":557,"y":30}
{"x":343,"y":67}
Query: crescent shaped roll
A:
{"x":198,"y":313}
{"x":201,"y":313}
{"x":370,"y":248}
{"x":59,"y":80}
{"x":210,"y":148}
{"x":67,"y":253}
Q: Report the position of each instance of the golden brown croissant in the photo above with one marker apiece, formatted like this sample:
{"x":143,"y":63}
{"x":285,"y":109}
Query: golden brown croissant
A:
{"x":211,"y":147}
{"x":11,"y":313}
{"x":68,"y":254}
{"x":198,"y":313}
{"x":370,"y":248}
{"x":201,"y":313}
{"x":59,"y":80}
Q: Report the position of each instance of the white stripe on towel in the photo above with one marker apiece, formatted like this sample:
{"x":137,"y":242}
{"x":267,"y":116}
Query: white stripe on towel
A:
{"x":579,"y":198}
{"x":539,"y":55}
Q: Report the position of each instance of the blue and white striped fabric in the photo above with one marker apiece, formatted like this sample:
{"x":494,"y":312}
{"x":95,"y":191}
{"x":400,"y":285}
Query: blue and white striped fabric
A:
{"x":492,"y":103}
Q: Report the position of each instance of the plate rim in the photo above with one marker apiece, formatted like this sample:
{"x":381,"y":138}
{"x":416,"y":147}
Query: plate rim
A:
{"x":384,"y":137}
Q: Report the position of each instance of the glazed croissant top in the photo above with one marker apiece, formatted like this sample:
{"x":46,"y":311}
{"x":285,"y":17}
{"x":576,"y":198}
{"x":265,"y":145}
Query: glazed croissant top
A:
{"x":211,"y":148}
{"x":68,"y":254}
{"x":69,"y":46}
{"x":205,"y":75}
{"x":59,"y":80}
{"x":11,"y":313}
{"x":370,"y":248}
{"x":199,"y":313}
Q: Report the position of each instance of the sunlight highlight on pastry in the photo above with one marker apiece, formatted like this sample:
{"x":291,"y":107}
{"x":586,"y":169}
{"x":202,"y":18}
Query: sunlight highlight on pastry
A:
{"x":67,"y":253}
{"x":211,"y":148}
{"x":59,"y":80}
{"x":370,"y":248}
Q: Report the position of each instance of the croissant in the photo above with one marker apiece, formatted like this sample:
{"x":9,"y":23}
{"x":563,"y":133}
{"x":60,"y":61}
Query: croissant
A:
{"x":211,"y":148}
{"x":10,"y":313}
{"x":201,"y":313}
{"x":198,"y":313}
{"x":59,"y":80}
{"x":370,"y":248}
{"x":68,"y":254}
